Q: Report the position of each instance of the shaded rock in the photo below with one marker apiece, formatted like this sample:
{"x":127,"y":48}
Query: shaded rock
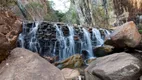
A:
{"x":88,"y":61}
{"x":139,"y":47}
{"x":74,"y":61}
{"x":141,"y":78}
{"x":70,"y":74}
{"x":123,"y":36}
{"x":26,"y":65}
{"x":10,"y":27}
{"x":118,"y":66}
{"x":84,"y":54}
{"x":51,"y":59}
{"x":103,"y":50}
{"x":76,"y":38}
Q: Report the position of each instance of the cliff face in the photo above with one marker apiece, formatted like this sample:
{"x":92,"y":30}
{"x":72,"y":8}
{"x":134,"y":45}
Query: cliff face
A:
{"x":84,"y":11}
{"x":128,"y":9}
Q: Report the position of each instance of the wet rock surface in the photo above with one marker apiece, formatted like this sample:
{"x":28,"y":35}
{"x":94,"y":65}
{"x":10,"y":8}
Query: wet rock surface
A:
{"x":54,"y":39}
{"x":74,"y":61}
{"x":23,"y":64}
{"x":118,"y":66}
{"x":103,"y":50}
{"x":10,"y":28}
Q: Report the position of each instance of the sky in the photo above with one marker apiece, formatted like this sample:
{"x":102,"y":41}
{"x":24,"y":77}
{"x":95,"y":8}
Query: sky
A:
{"x":61,"y":5}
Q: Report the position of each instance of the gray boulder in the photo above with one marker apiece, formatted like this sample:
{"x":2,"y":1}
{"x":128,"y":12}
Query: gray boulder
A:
{"x":118,"y":66}
{"x":26,"y":65}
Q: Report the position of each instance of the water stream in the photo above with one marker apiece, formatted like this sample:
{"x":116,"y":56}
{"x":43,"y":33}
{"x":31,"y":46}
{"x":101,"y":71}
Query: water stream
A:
{"x":64,"y":45}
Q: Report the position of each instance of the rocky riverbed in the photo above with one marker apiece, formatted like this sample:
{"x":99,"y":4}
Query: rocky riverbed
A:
{"x":120,"y":58}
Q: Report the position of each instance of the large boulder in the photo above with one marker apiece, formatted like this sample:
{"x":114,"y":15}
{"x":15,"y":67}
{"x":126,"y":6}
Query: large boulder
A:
{"x":118,"y":66}
{"x":70,"y":74}
{"x":103,"y":50}
{"x":10,"y":27}
{"x":124,"y":36}
{"x":26,"y":65}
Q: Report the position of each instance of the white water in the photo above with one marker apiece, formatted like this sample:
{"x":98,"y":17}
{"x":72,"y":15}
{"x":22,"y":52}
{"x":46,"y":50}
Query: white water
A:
{"x":86,"y":43}
{"x":71,"y":41}
{"x":32,"y":43}
{"x":66,"y":44}
{"x":96,"y":35}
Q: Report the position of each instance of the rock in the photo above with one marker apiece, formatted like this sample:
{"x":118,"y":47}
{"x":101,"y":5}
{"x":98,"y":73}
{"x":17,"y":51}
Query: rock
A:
{"x":26,"y":65}
{"x":10,"y":27}
{"x":70,"y":74}
{"x":141,"y":78}
{"x":103,"y":50}
{"x":118,"y":66}
{"x":124,"y":36}
{"x":76,"y":38}
{"x":139,"y":47}
{"x":51,"y":59}
{"x":74,"y":61}
{"x":88,"y":61}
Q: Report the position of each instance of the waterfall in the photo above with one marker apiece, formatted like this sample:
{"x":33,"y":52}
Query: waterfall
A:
{"x":62,"y":42}
{"x":30,"y":33}
{"x":50,"y":39}
{"x":86,"y":42}
{"x":71,"y":41}
{"x":97,"y":36}
{"x":33,"y":44}
{"x":67,"y":44}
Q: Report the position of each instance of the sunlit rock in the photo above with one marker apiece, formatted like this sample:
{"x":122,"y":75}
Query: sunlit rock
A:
{"x":118,"y":66}
{"x":70,"y":74}
{"x":10,"y":27}
{"x":123,"y":36}
{"x":23,"y":64}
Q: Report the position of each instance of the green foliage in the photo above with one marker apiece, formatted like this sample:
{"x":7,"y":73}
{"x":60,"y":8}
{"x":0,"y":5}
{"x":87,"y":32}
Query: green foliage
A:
{"x":71,"y":16}
{"x":101,"y":13}
{"x":139,"y":26}
{"x":51,"y":14}
{"x":51,"y":17}
{"x":34,"y":4}
{"x":59,"y":15}
{"x":33,"y":10}
{"x":140,"y":31}
{"x":7,"y":3}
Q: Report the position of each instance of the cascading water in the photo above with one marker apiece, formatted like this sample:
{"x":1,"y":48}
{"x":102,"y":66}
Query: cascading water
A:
{"x":50,"y":39}
{"x":106,"y":33}
{"x":66,"y":43}
{"x":62,"y":42}
{"x":96,"y":35}
{"x":86,"y":43}
{"x":32,"y":43}
{"x":71,"y":50}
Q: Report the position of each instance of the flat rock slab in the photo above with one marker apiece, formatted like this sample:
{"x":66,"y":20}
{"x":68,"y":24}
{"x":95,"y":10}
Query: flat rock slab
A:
{"x":118,"y":66}
{"x":26,"y":65}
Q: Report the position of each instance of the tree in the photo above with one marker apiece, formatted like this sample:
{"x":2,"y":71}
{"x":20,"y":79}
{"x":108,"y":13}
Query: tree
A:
{"x":7,"y":3}
{"x":84,"y":11}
